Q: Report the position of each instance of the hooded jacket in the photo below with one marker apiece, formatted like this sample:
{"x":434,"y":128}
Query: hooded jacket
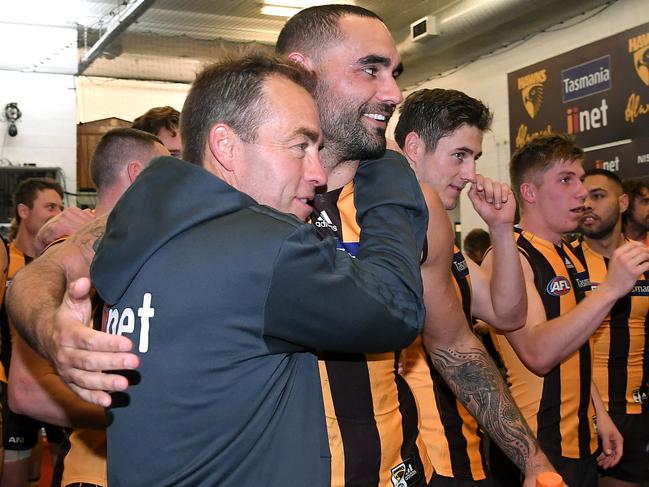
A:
{"x":225,"y":299}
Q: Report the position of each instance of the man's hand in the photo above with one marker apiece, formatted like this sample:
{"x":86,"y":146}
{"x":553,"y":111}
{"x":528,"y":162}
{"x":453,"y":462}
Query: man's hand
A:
{"x":64,"y":224}
{"x":80,"y":354}
{"x":612,"y":441}
{"x":493,"y":201}
{"x":628,"y":262}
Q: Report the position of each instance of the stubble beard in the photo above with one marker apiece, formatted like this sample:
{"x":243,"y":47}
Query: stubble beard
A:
{"x":606,"y":228}
{"x":345,"y":135}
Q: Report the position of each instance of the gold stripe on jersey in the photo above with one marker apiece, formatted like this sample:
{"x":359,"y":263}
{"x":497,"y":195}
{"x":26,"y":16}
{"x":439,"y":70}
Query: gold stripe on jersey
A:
{"x":86,"y":460}
{"x":452,"y":436}
{"x":371,"y":414}
{"x":557,"y":406}
{"x":619,"y":345}
{"x":17,"y":260}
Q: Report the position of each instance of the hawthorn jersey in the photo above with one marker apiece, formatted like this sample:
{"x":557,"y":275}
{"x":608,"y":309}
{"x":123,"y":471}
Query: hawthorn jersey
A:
{"x":371,"y":413}
{"x":17,"y":260}
{"x":452,"y":436}
{"x":557,"y":406}
{"x":4,"y":340}
{"x":620,"y":367}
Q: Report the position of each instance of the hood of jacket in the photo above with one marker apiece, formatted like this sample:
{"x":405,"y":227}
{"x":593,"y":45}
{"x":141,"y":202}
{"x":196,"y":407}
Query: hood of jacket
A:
{"x":169,"y":197}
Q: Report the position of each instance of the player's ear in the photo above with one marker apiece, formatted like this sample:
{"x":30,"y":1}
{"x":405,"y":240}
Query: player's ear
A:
{"x":528,"y":192}
{"x":23,"y":210}
{"x":301,"y":59}
{"x":414,"y":148}
{"x":624,"y":202}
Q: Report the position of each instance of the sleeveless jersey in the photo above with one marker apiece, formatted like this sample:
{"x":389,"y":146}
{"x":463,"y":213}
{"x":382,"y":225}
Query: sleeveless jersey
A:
{"x":620,"y":363}
{"x":17,"y":260}
{"x":452,"y":435}
{"x":371,"y":413}
{"x":557,"y":406}
{"x":3,"y":319}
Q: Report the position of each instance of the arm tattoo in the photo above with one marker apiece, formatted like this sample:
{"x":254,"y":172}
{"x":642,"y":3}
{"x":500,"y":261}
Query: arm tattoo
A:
{"x":90,"y":235}
{"x":477,"y":383}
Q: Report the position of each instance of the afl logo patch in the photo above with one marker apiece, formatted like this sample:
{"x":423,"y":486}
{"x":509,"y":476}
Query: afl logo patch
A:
{"x":558,"y":286}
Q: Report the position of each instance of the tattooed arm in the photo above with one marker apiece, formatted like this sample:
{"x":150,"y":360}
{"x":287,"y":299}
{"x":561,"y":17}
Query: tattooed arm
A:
{"x":462,"y":360}
{"x":54,"y":321}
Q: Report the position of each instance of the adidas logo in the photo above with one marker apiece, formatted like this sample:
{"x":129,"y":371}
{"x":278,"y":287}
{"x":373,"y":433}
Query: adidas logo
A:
{"x":410,"y":472}
{"x":324,"y":221}
{"x":568,"y":263}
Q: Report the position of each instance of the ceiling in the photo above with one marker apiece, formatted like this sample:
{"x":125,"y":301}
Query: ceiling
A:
{"x":169,"y":40}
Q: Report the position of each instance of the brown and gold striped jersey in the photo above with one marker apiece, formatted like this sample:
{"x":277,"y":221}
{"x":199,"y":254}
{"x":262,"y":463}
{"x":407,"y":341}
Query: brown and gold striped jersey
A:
{"x":371,"y":413}
{"x":452,"y":436}
{"x":620,"y":363}
{"x":557,"y":406}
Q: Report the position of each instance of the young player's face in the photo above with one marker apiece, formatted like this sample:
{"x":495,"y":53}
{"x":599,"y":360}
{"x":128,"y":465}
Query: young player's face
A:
{"x":357,"y":90}
{"x":283,"y":167}
{"x":561,"y":194}
{"x":451,"y":165}
{"x":47,"y":205}
{"x":640,"y":211}
{"x":602,"y":207}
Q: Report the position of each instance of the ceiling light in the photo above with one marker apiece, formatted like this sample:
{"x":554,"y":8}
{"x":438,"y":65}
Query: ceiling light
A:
{"x":279,"y":11}
{"x":288,"y":8}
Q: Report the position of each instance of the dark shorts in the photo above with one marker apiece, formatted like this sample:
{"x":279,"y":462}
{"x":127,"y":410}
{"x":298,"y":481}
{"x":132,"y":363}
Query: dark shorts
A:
{"x":576,"y":472}
{"x":440,"y":481}
{"x":634,"y":464}
{"x":20,"y":433}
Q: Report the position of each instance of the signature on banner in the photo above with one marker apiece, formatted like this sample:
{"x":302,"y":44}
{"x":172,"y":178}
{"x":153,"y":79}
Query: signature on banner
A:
{"x":635,"y":108}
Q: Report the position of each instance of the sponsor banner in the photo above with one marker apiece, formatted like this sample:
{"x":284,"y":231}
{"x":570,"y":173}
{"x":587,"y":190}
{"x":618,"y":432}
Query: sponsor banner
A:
{"x":599,"y":93}
{"x":629,"y":159}
{"x":586,"y":79}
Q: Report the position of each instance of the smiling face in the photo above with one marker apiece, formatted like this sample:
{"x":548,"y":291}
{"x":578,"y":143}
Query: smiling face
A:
{"x":357,"y":90}
{"x":47,"y":204}
{"x":282,"y":167}
{"x":602,"y":215}
{"x":451,"y":165}
{"x":559,"y":195}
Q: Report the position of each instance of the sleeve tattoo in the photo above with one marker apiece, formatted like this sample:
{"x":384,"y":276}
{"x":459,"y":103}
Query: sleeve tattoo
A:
{"x":477,"y":383}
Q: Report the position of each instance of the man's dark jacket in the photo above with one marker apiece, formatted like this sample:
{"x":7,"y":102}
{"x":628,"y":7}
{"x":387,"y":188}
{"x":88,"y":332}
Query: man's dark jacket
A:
{"x":225,"y":299}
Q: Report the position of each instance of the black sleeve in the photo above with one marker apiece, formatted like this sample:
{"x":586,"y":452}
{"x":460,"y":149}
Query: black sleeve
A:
{"x":325,"y":299}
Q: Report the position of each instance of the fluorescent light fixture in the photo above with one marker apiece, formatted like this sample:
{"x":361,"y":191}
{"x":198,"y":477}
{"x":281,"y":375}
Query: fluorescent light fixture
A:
{"x":288,"y":8}
{"x":279,"y":11}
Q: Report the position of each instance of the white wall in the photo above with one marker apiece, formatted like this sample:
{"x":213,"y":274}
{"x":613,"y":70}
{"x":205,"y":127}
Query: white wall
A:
{"x":486,"y":79}
{"x":52,"y":104}
{"x":99,"y":98}
{"x":47,"y":133}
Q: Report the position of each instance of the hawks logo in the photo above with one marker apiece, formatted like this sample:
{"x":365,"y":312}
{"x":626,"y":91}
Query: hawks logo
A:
{"x":404,"y":475}
{"x":531,"y":88}
{"x":639,"y":47}
{"x":558,"y":286}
